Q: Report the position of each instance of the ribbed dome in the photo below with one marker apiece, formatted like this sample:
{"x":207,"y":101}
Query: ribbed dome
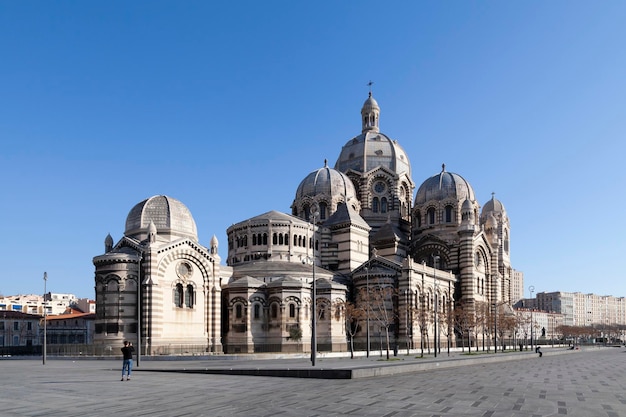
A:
{"x":326,"y":181}
{"x":171,"y":218}
{"x":370,"y":150}
{"x":370,"y":104}
{"x":494,"y":206}
{"x":445,"y":185}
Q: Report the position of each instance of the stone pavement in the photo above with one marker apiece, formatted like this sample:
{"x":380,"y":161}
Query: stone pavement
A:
{"x":589,"y":382}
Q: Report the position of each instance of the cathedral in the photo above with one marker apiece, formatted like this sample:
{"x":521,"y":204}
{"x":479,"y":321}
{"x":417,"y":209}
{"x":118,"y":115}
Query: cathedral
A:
{"x":354,"y":229}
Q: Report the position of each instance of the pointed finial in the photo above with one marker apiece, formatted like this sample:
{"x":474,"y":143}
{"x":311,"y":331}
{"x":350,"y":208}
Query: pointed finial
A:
{"x":493,"y":196}
{"x":443,"y":167}
{"x":325,"y":162}
{"x":370,"y":86}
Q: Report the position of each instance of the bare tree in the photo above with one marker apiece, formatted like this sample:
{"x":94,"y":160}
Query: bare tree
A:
{"x":465,"y":320}
{"x":381,"y":306}
{"x":484,"y":320}
{"x":446,"y":322}
{"x":505,"y":323}
{"x":353,"y":316}
{"x":420,"y":313}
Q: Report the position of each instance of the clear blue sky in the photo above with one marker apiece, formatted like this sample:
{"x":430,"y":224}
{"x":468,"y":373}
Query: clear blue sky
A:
{"x":227,"y":106}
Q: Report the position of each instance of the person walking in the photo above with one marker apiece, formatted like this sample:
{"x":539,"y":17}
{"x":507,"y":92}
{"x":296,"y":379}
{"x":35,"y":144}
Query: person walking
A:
{"x":127,"y":361}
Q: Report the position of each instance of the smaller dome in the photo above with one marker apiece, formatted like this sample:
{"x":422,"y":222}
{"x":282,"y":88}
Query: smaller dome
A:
{"x":467,"y":206}
{"x":445,"y":185}
{"x":171,"y":218}
{"x":494,"y":206}
{"x":370,"y":104}
{"x":329,"y":182}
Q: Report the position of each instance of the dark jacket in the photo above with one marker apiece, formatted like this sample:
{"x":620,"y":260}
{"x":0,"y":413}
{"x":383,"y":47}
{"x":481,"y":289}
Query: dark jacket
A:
{"x":127,"y":351}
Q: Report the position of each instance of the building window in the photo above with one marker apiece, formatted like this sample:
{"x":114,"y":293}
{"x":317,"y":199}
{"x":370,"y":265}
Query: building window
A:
{"x":274,"y":311}
{"x":238,"y":311}
{"x":189,"y":296}
{"x":449,"y":214}
{"x":178,"y":295}
{"x":257,"y":311}
{"x":375,"y":205}
{"x":431,"y":216}
{"x":323,"y":211}
{"x":383,"y":205}
{"x":16,"y":325}
{"x":292,"y":310}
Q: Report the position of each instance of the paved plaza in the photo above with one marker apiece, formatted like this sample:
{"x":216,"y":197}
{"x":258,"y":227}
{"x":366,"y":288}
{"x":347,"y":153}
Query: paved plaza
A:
{"x":590,"y":383}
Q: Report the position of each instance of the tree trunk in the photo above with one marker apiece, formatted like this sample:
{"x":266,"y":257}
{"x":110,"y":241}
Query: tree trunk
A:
{"x":387,"y":340}
{"x":351,"y":347}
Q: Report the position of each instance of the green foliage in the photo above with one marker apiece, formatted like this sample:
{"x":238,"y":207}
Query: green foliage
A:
{"x":295,"y":333}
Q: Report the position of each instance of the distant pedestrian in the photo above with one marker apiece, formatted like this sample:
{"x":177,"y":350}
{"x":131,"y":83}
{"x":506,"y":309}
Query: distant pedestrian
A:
{"x":127,"y":362}
{"x":538,"y":350}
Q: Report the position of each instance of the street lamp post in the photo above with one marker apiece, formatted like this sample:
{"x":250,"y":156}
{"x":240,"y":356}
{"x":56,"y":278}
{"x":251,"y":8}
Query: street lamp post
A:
{"x":139,"y":308}
{"x":367,"y":313}
{"x":406,"y":321}
{"x":314,"y":302}
{"x":532,"y":290}
{"x":495,"y":328}
{"x":435,"y":260}
{"x":45,"y":319}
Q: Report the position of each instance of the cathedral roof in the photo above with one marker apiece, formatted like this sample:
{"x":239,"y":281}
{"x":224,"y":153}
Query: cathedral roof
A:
{"x":493,"y":206}
{"x":273,"y":216}
{"x":443,"y":186}
{"x":245,"y":282}
{"x":327,"y":181}
{"x":346,"y":214}
{"x":170,"y":216}
{"x":388,"y":232}
{"x":371,"y":148}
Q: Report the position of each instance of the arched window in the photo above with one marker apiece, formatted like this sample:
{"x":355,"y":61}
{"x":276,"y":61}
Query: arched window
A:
{"x":383,"y":205}
{"x":254,"y":240}
{"x":189,"y":296}
{"x":275,"y":239}
{"x":280,"y":238}
{"x":375,"y":205}
{"x":449,"y":216}
{"x":274,"y":311}
{"x":431,"y":216}
{"x":295,"y":240}
{"x":323,"y":207}
{"x":265,"y":238}
{"x":238,"y":311}
{"x":178,"y":295}
{"x":418,"y":218}
{"x":257,"y":311}
{"x":292,"y":310}
{"x":506,"y":241}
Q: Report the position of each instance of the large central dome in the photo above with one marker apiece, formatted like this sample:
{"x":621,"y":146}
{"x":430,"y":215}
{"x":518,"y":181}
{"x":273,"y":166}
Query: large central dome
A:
{"x":371,"y":148}
{"x":171,"y":218}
